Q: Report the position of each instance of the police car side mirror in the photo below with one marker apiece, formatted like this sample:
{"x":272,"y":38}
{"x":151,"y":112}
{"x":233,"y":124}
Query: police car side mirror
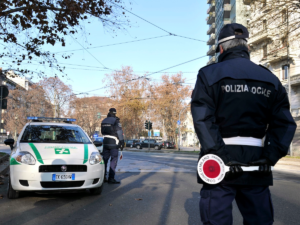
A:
{"x":9,"y":142}
{"x":97,"y":143}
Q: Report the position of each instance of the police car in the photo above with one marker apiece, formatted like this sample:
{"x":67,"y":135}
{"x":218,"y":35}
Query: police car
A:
{"x":52,"y":154}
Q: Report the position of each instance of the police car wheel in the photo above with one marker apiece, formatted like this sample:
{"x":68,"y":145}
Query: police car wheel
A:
{"x":131,"y":146}
{"x":11,"y":193}
{"x":156,"y":147}
{"x":138,"y":147}
{"x":96,"y":191}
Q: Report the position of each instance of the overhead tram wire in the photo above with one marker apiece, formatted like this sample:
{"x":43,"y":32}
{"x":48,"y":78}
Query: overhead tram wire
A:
{"x":143,"y":77}
{"x":173,"y":66}
{"x":120,"y":43}
{"x":91,"y":54}
{"x":170,"y":33}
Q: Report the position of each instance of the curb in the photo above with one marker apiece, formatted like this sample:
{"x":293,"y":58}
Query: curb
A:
{"x":4,"y":164}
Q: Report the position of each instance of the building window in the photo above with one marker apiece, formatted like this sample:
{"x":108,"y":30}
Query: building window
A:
{"x":284,"y":72}
{"x":264,"y":24}
{"x":265,"y":51}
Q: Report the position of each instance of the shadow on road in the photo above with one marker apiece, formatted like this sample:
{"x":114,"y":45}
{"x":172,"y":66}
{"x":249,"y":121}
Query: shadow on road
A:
{"x":189,"y":206}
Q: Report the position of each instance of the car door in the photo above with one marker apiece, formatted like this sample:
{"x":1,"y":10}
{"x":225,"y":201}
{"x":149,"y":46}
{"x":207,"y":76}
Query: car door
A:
{"x":145,"y":144}
{"x":152,"y":143}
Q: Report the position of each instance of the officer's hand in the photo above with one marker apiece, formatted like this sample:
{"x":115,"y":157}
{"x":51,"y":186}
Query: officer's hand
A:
{"x":264,"y":165}
{"x":122,"y":144}
{"x":235,"y":169}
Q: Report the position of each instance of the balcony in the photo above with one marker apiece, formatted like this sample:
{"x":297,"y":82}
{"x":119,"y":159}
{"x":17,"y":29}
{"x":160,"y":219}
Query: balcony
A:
{"x":212,"y":60}
{"x":212,"y":50}
{"x":227,"y":10}
{"x":211,"y":8}
{"x":259,"y":37}
{"x":277,"y":55}
{"x":211,"y":29}
{"x":211,"y":40}
{"x":211,"y":18}
{"x":295,"y":81}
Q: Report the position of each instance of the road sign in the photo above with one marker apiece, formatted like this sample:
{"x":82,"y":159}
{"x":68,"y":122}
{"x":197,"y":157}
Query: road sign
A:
{"x":156,"y":133}
{"x":178,"y":122}
{"x":4,"y":91}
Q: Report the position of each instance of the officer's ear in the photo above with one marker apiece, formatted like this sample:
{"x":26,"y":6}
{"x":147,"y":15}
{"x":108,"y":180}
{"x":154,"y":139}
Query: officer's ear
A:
{"x":221,"y":49}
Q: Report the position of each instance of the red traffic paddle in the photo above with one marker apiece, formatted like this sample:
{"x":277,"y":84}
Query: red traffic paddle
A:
{"x":212,"y":169}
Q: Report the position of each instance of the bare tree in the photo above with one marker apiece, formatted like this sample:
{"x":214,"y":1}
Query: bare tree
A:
{"x":89,"y":112}
{"x":23,"y":103}
{"x":129,"y":96}
{"x":58,"y":94}
{"x":171,"y":96}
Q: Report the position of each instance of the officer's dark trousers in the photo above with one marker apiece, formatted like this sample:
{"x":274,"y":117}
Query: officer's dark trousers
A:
{"x":113,"y":154}
{"x":254,"y":203}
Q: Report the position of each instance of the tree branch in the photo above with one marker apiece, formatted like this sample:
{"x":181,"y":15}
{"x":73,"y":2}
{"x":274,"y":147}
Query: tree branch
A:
{"x":5,"y":13}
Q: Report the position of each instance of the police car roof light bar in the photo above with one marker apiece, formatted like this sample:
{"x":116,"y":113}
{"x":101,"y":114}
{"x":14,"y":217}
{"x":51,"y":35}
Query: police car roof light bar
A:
{"x":212,"y":169}
{"x":40,"y":119}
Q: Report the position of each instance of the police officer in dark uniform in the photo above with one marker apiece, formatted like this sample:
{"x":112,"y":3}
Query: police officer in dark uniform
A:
{"x":241,"y":114}
{"x":112,"y":132}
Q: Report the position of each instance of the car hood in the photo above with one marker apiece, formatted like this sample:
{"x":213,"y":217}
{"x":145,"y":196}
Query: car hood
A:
{"x":73,"y":153}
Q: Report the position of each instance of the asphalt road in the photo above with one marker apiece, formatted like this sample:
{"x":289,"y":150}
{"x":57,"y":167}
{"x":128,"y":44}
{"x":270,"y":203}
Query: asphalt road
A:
{"x":155,"y":188}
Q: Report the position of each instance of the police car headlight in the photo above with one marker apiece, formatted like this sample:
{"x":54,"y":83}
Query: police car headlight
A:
{"x":26,"y":158}
{"x":95,"y":158}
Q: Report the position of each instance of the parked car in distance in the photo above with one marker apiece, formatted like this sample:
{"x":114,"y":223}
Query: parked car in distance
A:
{"x":149,"y":143}
{"x":132,"y":143}
{"x":168,"y":144}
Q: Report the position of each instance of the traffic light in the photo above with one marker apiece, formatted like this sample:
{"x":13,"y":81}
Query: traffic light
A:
{"x":150,"y":125}
{"x":98,"y":115}
{"x":176,"y":131}
{"x":146,"y":125}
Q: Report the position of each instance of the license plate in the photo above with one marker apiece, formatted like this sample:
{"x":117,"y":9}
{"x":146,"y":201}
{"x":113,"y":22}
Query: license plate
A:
{"x":63,"y":176}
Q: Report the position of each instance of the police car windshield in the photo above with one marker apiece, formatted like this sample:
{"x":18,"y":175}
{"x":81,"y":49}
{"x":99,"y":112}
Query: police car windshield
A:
{"x":54,"y":134}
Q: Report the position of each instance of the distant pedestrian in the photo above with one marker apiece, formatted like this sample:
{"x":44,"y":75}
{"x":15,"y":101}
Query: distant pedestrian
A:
{"x":112,"y":132}
{"x":235,"y":104}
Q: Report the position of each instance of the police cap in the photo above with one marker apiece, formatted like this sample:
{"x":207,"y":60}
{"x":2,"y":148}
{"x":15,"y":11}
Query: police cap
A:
{"x":113,"y":110}
{"x":232,"y":31}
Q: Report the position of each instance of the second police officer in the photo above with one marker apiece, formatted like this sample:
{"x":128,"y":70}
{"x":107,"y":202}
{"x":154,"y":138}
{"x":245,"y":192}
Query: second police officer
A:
{"x":112,"y":132}
{"x":235,"y":104}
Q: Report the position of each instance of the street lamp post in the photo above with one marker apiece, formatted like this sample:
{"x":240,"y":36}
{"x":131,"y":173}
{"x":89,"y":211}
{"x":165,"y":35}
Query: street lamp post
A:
{"x":287,"y":71}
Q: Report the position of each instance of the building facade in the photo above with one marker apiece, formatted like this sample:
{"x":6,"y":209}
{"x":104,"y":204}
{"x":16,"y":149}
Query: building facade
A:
{"x":188,"y":135}
{"x":220,"y":13}
{"x":274,"y":43}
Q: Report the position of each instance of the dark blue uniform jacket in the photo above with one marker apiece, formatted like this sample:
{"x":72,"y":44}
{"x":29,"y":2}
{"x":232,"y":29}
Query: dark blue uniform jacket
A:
{"x":236,"y":97}
{"x":111,"y":126}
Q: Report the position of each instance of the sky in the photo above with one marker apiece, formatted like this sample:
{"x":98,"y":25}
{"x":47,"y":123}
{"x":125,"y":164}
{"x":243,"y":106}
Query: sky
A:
{"x":187,"y":18}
